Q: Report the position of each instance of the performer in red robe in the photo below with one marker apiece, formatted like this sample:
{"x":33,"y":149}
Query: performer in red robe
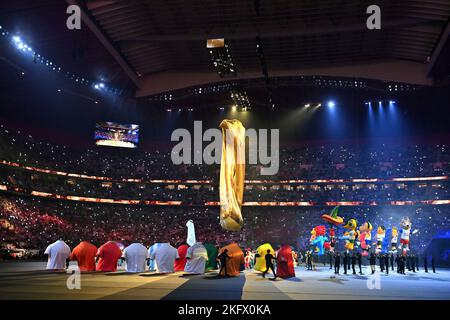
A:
{"x":181,"y":263}
{"x":285,"y":262}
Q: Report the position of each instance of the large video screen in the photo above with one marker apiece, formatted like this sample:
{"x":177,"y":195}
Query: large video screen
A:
{"x":113,"y":134}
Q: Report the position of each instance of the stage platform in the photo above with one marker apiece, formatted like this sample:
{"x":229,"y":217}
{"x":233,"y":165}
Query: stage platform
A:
{"x":29,"y":280}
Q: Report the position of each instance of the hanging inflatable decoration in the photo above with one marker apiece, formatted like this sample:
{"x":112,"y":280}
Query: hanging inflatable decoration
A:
{"x":333,"y":217}
{"x":365,"y":237}
{"x":319,"y":239}
{"x":381,"y":234}
{"x":232,"y":173}
{"x":394,"y":240}
{"x":405,"y":231}
{"x":351,"y":235}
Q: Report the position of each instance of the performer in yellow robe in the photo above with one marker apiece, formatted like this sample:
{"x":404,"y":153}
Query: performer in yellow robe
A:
{"x":260,"y":264}
{"x":232,"y":172}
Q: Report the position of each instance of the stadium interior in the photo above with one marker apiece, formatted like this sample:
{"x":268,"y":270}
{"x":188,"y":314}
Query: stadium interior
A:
{"x":87,"y":118}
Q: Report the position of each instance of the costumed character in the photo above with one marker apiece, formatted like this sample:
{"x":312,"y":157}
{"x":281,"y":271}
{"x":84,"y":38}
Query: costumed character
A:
{"x":285,"y":262}
{"x":108,"y":254}
{"x":232,"y":173}
{"x":319,"y":239}
{"x":58,"y":252}
{"x":212,"y":251}
{"x":196,"y":259}
{"x":333,"y":220}
{"x":385,"y":244}
{"x":295,"y":257}
{"x":365,"y":237}
{"x":381,"y":234}
{"x":84,"y":254}
{"x":394,"y":240}
{"x":235,"y":260}
{"x":152,"y":262}
{"x":248,"y":258}
{"x":190,"y":233}
{"x":180,"y":263}
{"x":260,"y":264}
{"x":405,"y":231}
{"x":351,"y":235}
{"x":165,"y":256}
{"x":135,"y":257}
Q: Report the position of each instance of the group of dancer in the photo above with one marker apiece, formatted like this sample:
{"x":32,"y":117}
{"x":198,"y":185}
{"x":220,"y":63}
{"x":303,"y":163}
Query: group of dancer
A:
{"x":195,"y":257}
{"x":390,"y":245}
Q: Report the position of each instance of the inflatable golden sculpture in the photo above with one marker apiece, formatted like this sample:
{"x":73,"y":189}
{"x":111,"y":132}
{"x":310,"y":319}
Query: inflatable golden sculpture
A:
{"x":232,"y":172}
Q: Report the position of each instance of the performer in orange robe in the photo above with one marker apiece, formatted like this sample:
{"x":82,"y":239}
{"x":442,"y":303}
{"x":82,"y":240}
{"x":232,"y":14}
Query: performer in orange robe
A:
{"x":181,"y":263}
{"x":285,"y":262}
{"x":84,"y":254}
{"x":235,"y":261}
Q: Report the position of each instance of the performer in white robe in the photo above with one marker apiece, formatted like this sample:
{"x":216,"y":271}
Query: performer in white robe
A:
{"x":58,"y":252}
{"x":152,"y":262}
{"x":135,"y":257}
{"x":196,"y":259}
{"x":165,"y":256}
{"x":191,"y":233}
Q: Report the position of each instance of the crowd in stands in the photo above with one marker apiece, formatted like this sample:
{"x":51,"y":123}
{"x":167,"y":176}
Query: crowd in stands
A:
{"x":33,"y":223}
{"x":344,"y":161}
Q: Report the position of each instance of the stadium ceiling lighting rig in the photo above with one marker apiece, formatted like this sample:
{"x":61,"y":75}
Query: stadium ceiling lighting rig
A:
{"x":380,"y":102}
{"x":315,"y":105}
{"x":240,"y":99}
{"x":27,"y":50}
{"x":221,"y":57}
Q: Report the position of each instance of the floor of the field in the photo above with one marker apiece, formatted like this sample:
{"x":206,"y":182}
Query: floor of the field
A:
{"x":29,"y":280}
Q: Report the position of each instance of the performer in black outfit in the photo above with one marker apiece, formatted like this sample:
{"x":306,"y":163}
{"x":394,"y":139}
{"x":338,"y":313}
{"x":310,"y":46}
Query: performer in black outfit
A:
{"x":413,"y":263}
{"x":373,"y":262}
{"x":353,"y":262}
{"x":331,"y":260}
{"x":337,"y":262}
{"x":402,"y":261}
{"x":432,"y":264}
{"x":359,"y":257}
{"x":392,"y":261}
{"x":346,"y":261}
{"x":223,"y":262}
{"x":269,"y":264}
{"x":408,"y":262}
{"x":386,"y":261}
{"x":425,"y":263}
{"x":381,"y":258}
{"x":416,"y":258}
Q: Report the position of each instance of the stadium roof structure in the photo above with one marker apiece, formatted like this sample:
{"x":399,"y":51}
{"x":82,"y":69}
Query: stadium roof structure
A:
{"x":160,"y":46}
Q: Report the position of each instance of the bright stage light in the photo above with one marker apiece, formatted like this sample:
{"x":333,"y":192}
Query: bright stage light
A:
{"x":331,"y":104}
{"x":307,"y":105}
{"x":99,"y":86}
